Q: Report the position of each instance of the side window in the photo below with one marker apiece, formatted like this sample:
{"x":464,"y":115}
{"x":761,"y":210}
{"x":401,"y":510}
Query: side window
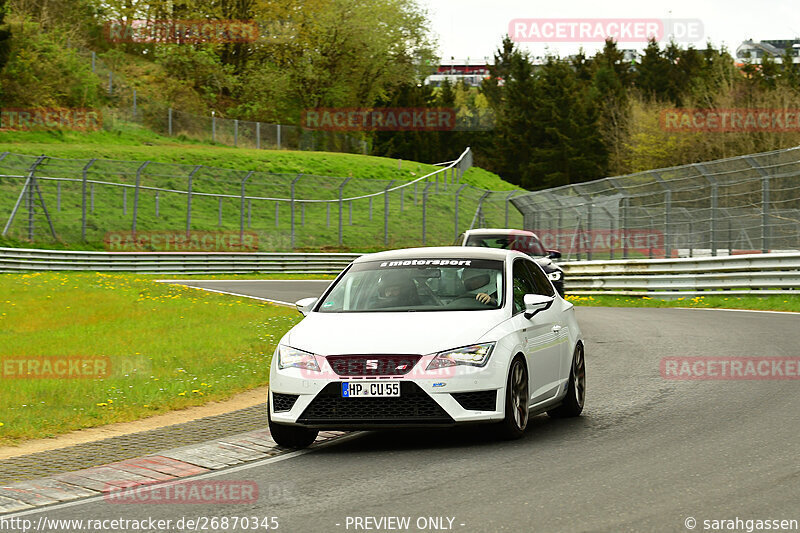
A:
{"x":522,"y":285}
{"x":540,"y":281}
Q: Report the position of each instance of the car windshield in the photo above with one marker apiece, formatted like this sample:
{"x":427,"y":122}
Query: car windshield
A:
{"x":423,"y":284}
{"x":521,"y":242}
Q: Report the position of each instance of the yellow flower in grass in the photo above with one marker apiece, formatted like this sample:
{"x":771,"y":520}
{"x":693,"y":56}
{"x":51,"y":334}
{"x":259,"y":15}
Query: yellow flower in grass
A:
{"x":1,"y":424}
{"x":102,"y":404}
{"x":182,"y":393}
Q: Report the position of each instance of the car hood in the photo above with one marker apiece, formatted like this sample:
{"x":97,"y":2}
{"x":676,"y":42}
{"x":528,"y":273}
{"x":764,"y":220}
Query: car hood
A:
{"x":390,"y":333}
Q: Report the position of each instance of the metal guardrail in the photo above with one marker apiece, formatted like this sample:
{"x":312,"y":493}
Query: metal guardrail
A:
{"x":25,"y":259}
{"x":742,"y":274}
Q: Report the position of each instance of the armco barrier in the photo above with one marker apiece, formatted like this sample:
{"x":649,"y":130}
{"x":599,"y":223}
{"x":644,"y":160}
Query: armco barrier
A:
{"x":776,"y":273}
{"x":23,"y":259}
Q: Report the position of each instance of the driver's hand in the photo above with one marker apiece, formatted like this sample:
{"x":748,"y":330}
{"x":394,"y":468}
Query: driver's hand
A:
{"x":484,"y":298}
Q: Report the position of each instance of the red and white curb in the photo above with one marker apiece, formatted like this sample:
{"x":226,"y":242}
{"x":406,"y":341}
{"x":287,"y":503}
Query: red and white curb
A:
{"x":166,"y":466}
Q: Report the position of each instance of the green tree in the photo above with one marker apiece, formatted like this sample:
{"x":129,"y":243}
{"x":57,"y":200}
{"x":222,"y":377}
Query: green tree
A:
{"x":569,"y":148}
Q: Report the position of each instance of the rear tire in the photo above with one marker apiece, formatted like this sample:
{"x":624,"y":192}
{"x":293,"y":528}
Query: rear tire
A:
{"x":576,"y":391}
{"x":295,"y":437}
{"x":516,"y":419}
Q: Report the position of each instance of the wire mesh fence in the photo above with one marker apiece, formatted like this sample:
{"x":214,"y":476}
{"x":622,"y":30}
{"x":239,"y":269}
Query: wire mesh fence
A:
{"x":745,"y":204}
{"x":159,"y":206}
{"x":127,"y":105}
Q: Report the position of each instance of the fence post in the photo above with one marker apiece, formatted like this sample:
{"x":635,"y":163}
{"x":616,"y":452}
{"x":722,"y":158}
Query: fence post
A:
{"x":94,"y":58}
{"x":714,"y":198}
{"x":83,"y":195}
{"x":157,"y":193}
{"x":58,"y":196}
{"x":370,"y":208}
{"x":279,"y":136}
{"x":169,"y":121}
{"x":327,"y":214}
{"x":219,"y":211}
{"x":213,"y":127}
{"x":341,"y":187}
{"x":765,"y":236}
{"x":136,"y":195}
{"x":26,"y":188}
{"x":124,"y":200}
{"x":241,"y":207}
{"x":134,"y":104}
{"x":424,"y":209}
{"x":249,"y":211}
{"x":589,"y":206}
{"x":350,"y":205}
{"x":189,"y":200}
{"x":258,"y":136}
{"x":236,"y":132}
{"x":386,"y":213}
{"x":508,"y":201}
{"x":458,"y":192}
{"x":291,"y":211}
{"x":277,"y":213}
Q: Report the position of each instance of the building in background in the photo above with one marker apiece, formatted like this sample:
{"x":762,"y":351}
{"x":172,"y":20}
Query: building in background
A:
{"x":471,"y":71}
{"x":774,"y":49}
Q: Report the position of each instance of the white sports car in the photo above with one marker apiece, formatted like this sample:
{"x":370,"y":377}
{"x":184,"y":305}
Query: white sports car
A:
{"x":428,"y":337}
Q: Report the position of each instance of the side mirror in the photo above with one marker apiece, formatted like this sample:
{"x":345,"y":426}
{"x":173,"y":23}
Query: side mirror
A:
{"x":553,"y":254}
{"x":535,"y":303}
{"x":305,"y":305}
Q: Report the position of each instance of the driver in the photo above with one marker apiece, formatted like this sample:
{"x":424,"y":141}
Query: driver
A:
{"x":397,"y":289}
{"x":480,"y":281}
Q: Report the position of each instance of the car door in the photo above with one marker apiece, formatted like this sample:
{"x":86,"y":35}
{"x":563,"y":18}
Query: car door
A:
{"x":540,"y":334}
{"x":559,"y":365}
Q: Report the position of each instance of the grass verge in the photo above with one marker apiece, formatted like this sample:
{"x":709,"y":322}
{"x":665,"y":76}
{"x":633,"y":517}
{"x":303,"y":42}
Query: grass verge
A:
{"x":167,"y":347}
{"x":758,"y":303}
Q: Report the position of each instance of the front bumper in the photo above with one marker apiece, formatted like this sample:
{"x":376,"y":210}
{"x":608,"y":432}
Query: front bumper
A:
{"x":464,"y":395}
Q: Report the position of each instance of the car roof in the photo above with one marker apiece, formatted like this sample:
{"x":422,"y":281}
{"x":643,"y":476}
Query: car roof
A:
{"x":436,"y":252}
{"x":501,"y":231}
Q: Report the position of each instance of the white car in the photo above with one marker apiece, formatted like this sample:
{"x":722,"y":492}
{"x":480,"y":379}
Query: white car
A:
{"x":428,"y":337}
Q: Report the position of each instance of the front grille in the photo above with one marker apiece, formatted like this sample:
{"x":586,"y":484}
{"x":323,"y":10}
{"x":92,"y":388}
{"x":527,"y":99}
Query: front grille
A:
{"x":484,"y":400}
{"x":414,"y":406}
{"x":283,"y":402}
{"x":372,"y":365}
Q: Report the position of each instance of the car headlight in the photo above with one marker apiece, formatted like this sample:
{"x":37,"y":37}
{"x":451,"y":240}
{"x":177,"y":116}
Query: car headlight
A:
{"x":292,"y":357}
{"x":556,"y":275}
{"x":474,"y":355}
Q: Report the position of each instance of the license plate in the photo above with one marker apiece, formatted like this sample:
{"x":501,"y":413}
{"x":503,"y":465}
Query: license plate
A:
{"x":370,"y":390}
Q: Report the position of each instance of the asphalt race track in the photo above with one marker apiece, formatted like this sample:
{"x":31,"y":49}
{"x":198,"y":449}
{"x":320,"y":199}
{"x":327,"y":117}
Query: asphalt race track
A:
{"x":647,"y":454}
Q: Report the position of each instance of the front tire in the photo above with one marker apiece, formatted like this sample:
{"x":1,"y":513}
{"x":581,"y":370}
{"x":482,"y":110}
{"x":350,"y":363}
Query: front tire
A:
{"x":295,"y":437}
{"x":516,"y":419}
{"x":576,"y":391}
